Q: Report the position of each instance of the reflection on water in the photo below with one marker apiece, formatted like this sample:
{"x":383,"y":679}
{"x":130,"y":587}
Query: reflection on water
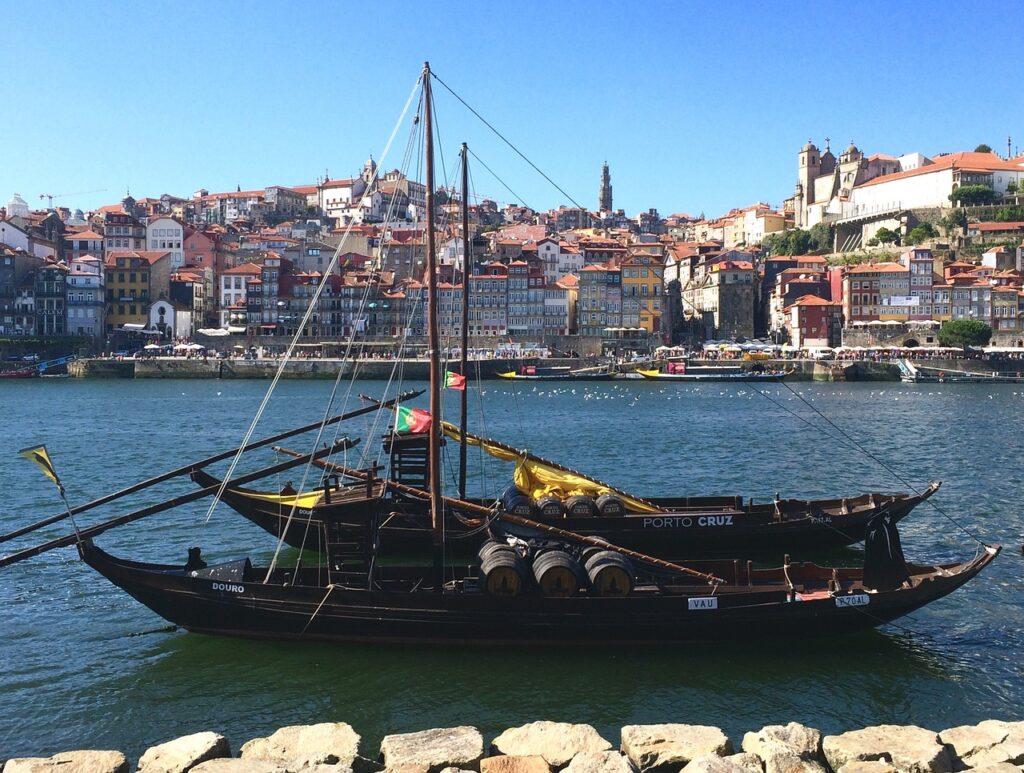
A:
{"x":85,"y":665}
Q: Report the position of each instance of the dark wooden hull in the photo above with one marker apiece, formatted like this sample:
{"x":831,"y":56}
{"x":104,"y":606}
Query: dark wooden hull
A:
{"x":241,"y":604}
{"x":698,"y":527}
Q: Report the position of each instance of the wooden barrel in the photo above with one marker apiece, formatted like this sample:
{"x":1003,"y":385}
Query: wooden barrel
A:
{"x":557,"y":573}
{"x":610,"y":573}
{"x":580,"y":506}
{"x":550,"y":506}
{"x":516,"y":502}
{"x":610,"y":505}
{"x":502,"y":570}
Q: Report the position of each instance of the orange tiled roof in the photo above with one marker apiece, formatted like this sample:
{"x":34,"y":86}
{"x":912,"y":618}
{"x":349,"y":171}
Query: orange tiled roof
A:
{"x":967,"y":161}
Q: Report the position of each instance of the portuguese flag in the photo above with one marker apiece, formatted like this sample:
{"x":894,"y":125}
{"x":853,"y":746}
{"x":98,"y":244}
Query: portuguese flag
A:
{"x":411,"y":420}
{"x":454,"y":380}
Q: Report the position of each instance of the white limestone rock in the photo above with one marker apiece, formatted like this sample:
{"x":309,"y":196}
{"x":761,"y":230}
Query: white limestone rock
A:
{"x":790,"y":762}
{"x":669,"y":747}
{"x":599,"y":762}
{"x":910,"y":749}
{"x":183,"y":754}
{"x":434,"y":750}
{"x":87,"y":761}
{"x":794,"y":738}
{"x":298,"y":746}
{"x":504,"y":763}
{"x":712,"y":763}
{"x":864,"y":766}
{"x":988,"y":743}
{"x":236,"y":765}
{"x":556,"y":742}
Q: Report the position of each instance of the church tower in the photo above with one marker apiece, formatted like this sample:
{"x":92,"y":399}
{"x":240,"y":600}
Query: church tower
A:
{"x":605,"y":196}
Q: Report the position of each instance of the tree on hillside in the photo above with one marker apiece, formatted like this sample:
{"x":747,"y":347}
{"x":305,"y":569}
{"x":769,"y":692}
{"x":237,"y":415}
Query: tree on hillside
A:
{"x":795,"y":242}
{"x":920,"y":233}
{"x":973,"y":195}
{"x":887,"y":236}
{"x":820,"y":237}
{"x":1009,"y":215}
{"x":964,"y":333}
{"x":956,"y":218}
{"x":983,"y":148}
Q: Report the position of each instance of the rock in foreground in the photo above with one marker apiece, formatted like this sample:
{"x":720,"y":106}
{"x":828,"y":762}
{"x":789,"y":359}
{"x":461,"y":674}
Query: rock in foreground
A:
{"x":70,"y":762}
{"x":557,"y":742}
{"x":183,"y":754}
{"x":671,"y":747}
{"x":909,"y":748}
{"x":432,"y":750}
{"x":327,"y":743}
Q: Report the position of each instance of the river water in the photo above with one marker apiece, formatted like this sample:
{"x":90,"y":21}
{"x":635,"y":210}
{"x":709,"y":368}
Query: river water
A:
{"x":82,"y":665}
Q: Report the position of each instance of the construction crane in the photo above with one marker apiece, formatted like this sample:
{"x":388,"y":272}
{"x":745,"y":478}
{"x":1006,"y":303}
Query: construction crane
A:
{"x":52,"y":196}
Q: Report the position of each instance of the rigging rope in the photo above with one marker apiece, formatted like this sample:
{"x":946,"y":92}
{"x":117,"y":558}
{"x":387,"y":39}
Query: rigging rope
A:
{"x":853,"y":441}
{"x":504,"y":139}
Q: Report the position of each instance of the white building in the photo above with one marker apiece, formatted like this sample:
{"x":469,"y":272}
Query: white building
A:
{"x":340,"y":195}
{"x":173,"y":322}
{"x":17,"y":206}
{"x":15,"y":237}
{"x":231,"y":292}
{"x":167,"y":234}
{"x":85,"y":297}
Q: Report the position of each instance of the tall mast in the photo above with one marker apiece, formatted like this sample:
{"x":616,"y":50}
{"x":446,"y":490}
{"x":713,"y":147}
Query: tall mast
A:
{"x":434,"y":338}
{"x":467,"y":263}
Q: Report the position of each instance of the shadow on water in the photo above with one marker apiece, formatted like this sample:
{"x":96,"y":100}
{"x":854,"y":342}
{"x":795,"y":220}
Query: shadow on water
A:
{"x":881,"y":677}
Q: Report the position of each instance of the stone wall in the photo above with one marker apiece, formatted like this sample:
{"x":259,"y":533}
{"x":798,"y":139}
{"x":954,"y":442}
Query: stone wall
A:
{"x":992,"y":746}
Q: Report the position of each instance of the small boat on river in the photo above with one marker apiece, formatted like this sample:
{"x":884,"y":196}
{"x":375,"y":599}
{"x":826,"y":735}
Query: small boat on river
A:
{"x":558,"y":373}
{"x":684,"y":372}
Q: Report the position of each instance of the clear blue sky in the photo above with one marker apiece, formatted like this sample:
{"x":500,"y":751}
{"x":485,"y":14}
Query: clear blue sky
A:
{"x":696,"y":106}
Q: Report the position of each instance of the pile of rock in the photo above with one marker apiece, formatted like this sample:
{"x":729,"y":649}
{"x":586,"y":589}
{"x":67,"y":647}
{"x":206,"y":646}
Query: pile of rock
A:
{"x":550,"y":747}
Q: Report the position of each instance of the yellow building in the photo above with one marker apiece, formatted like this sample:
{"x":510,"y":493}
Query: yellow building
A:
{"x":642,"y":290}
{"x":133,"y":280}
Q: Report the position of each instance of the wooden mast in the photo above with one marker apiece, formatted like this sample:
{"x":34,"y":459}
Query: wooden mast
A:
{"x":434,"y":338}
{"x":467,"y":263}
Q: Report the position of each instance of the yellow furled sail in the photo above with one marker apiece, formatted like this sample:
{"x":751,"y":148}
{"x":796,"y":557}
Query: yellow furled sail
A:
{"x":536,"y":478}
{"x":305,"y":499}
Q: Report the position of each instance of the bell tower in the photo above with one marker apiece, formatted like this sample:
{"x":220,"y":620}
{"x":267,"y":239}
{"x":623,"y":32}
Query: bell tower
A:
{"x":605,"y":194}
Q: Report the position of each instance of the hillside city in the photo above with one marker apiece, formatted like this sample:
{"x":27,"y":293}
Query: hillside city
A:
{"x":868,"y":248}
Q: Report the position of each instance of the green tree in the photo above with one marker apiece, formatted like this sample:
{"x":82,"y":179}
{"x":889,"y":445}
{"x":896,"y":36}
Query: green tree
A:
{"x":820,"y":237}
{"x":1011,"y":187}
{"x":956,"y":218}
{"x":920,"y":233}
{"x":973,"y":195}
{"x":983,"y":148}
{"x":887,"y":236}
{"x":964,"y":332}
{"x":1009,"y":215}
{"x":795,"y":242}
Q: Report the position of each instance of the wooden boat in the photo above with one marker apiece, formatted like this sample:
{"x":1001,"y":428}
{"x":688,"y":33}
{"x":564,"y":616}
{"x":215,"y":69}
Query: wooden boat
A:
{"x":714,"y":374}
{"x":668,"y":527}
{"x":557,"y":373}
{"x":401,"y":604}
{"x":533,"y":582}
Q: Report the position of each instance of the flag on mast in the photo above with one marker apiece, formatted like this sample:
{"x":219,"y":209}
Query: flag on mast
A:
{"x":454,"y":380}
{"x":38,"y":455}
{"x":411,"y":419}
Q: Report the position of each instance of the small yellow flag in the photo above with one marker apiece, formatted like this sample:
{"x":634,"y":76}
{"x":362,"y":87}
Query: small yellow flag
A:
{"x":38,"y":455}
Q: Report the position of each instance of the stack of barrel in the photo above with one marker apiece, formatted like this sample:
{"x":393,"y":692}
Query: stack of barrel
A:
{"x":551,"y":506}
{"x":556,"y":572}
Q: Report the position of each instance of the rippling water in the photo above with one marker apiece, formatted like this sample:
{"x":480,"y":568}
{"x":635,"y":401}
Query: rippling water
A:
{"x":83,"y":665}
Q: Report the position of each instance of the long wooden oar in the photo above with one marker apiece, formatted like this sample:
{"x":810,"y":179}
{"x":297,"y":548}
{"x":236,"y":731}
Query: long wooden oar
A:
{"x":184,"y":499}
{"x":375,"y":406}
{"x":517,"y":519}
